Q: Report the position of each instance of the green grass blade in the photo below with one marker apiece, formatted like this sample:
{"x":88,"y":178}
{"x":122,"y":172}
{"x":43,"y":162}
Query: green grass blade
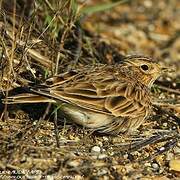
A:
{"x":101,"y":7}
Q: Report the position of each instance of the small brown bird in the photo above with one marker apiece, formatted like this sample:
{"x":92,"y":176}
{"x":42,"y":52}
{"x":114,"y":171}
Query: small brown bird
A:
{"x":108,"y":98}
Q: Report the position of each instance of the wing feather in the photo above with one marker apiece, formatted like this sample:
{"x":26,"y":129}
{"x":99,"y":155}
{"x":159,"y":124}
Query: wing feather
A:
{"x":115,"y":97}
{"x":99,"y":91}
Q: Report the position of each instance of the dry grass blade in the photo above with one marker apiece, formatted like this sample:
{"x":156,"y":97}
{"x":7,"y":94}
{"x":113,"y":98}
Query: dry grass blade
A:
{"x":40,"y":39}
{"x":169,"y":89}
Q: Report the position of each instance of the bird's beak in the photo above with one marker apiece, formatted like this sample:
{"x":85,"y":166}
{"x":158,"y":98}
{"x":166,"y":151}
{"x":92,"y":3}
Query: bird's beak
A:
{"x":167,"y":69}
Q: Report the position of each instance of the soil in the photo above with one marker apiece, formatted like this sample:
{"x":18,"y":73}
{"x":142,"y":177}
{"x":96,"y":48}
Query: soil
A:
{"x":51,"y":38}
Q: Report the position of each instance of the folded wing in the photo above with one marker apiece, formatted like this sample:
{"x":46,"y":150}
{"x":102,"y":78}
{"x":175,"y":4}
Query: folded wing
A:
{"x":100,"y":92}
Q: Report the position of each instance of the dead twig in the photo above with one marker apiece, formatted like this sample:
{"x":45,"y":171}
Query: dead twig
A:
{"x":169,"y":145}
{"x":169,"y":89}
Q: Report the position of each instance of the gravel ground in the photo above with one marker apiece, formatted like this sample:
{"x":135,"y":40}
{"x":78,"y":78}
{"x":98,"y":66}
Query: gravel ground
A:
{"x":33,"y":146}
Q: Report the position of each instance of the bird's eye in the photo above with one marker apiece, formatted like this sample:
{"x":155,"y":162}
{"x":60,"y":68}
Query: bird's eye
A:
{"x":145,"y":67}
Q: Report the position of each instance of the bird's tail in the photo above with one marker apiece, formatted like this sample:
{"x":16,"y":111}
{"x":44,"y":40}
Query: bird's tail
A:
{"x":26,"y":98}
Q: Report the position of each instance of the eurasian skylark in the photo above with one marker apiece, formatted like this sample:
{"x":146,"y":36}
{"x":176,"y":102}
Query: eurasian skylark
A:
{"x":108,"y":98}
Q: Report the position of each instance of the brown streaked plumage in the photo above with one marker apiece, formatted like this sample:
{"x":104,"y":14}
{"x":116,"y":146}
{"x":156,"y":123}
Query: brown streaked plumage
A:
{"x":108,"y":98}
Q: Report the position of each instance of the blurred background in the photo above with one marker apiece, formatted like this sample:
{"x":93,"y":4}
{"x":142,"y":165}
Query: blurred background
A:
{"x":42,"y":38}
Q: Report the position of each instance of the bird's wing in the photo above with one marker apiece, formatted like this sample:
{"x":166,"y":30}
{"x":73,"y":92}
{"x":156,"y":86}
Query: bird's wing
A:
{"x":99,"y":92}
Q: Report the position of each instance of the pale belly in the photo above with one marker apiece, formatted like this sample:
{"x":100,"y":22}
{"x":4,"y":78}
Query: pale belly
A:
{"x":86,"y":118}
{"x":101,"y":122}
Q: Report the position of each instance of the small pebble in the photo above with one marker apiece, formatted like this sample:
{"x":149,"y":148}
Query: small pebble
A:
{"x":174,"y":84}
{"x":155,"y":166}
{"x":165,"y":124}
{"x":168,"y":79}
{"x":103,"y":150}
{"x":125,"y":156}
{"x":105,"y":138}
{"x":102,"y":156}
{"x":96,"y":149}
{"x":74,"y":163}
{"x":162,"y":149}
{"x":147,"y":164}
{"x":173,"y":96}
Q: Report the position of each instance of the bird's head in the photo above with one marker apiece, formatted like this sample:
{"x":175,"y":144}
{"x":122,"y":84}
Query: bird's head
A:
{"x":145,"y":69}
